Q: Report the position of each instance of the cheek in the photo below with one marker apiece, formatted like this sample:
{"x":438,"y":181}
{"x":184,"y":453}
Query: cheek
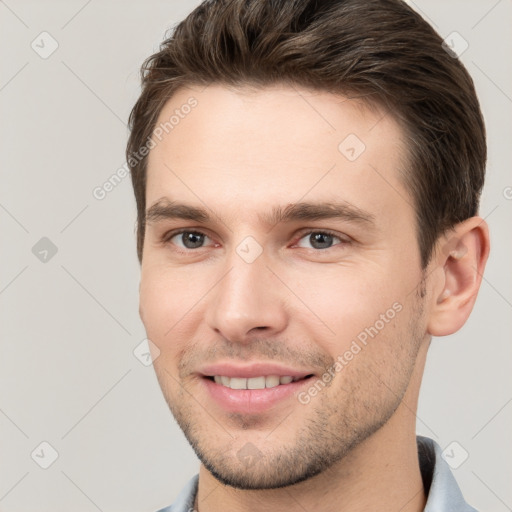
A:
{"x":167,"y":305}
{"x":344,"y":302}
{"x":170,"y":300}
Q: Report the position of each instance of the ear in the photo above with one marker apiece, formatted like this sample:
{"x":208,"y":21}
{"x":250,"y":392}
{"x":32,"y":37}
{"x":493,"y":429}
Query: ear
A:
{"x":460,"y":260}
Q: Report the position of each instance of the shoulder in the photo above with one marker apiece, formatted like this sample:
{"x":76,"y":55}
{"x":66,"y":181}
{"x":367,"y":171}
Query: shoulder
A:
{"x":185,"y":500}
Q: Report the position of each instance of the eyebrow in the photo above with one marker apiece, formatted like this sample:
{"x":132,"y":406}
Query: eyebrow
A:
{"x":166,"y":209}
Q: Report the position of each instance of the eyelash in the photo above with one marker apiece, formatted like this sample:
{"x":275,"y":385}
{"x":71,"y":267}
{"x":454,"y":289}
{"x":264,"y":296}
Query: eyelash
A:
{"x":323,"y":232}
{"x":168,"y":236}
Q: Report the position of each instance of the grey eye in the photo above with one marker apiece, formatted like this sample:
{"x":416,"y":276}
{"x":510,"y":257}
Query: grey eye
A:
{"x":189,"y":239}
{"x":318,"y":240}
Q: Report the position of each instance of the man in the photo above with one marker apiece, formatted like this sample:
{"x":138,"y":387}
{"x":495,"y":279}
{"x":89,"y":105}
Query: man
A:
{"x":307,"y":176}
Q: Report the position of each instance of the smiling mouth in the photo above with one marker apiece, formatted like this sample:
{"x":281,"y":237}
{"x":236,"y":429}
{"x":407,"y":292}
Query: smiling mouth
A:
{"x":261,"y":382}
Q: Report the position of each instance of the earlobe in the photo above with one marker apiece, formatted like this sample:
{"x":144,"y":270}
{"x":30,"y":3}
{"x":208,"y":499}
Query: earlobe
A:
{"x":461,"y":257}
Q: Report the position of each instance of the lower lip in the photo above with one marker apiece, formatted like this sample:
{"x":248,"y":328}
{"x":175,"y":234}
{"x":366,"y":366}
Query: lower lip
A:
{"x":252,"y":401}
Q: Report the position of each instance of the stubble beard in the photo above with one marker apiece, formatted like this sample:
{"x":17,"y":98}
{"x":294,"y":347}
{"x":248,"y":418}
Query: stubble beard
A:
{"x":333,"y":427}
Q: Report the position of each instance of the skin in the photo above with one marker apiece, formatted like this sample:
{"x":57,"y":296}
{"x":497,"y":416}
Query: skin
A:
{"x":239,"y":154}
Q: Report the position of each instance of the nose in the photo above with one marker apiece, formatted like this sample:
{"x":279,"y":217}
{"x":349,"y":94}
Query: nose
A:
{"x":246,"y":302}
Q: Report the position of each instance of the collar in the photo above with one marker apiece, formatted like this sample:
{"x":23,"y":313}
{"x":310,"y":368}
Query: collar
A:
{"x":443,"y":492}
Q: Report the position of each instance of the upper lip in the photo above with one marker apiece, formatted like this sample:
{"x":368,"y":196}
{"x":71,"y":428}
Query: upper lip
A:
{"x":254,"y":369}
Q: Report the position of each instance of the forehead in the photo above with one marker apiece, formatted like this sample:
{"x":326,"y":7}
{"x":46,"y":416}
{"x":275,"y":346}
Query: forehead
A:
{"x":255,"y":148}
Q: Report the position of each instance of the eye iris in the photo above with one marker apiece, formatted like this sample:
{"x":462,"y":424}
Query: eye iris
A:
{"x":321,"y":240}
{"x":192,"y":240}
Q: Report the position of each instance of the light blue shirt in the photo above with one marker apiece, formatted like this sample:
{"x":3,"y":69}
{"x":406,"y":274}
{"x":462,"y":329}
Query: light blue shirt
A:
{"x":442,"y":490}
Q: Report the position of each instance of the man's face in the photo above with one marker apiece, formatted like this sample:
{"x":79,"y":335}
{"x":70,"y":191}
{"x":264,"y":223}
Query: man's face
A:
{"x":280,"y":245}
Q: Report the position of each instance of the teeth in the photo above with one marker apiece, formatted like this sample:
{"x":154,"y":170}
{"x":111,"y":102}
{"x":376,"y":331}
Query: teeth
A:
{"x":271,"y":381}
{"x":256,"y":383}
{"x":262,"y":382}
{"x":237,"y":383}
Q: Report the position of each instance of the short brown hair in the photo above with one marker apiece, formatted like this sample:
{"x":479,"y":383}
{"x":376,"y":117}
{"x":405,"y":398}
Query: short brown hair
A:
{"x":379,"y":50}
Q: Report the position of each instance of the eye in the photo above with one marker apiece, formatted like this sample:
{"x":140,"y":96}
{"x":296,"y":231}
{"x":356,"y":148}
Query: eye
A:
{"x":319,"y":240}
{"x":188,"y":239}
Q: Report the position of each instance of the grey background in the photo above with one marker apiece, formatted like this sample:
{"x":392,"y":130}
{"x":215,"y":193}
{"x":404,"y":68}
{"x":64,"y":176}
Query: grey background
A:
{"x":69,"y":325}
